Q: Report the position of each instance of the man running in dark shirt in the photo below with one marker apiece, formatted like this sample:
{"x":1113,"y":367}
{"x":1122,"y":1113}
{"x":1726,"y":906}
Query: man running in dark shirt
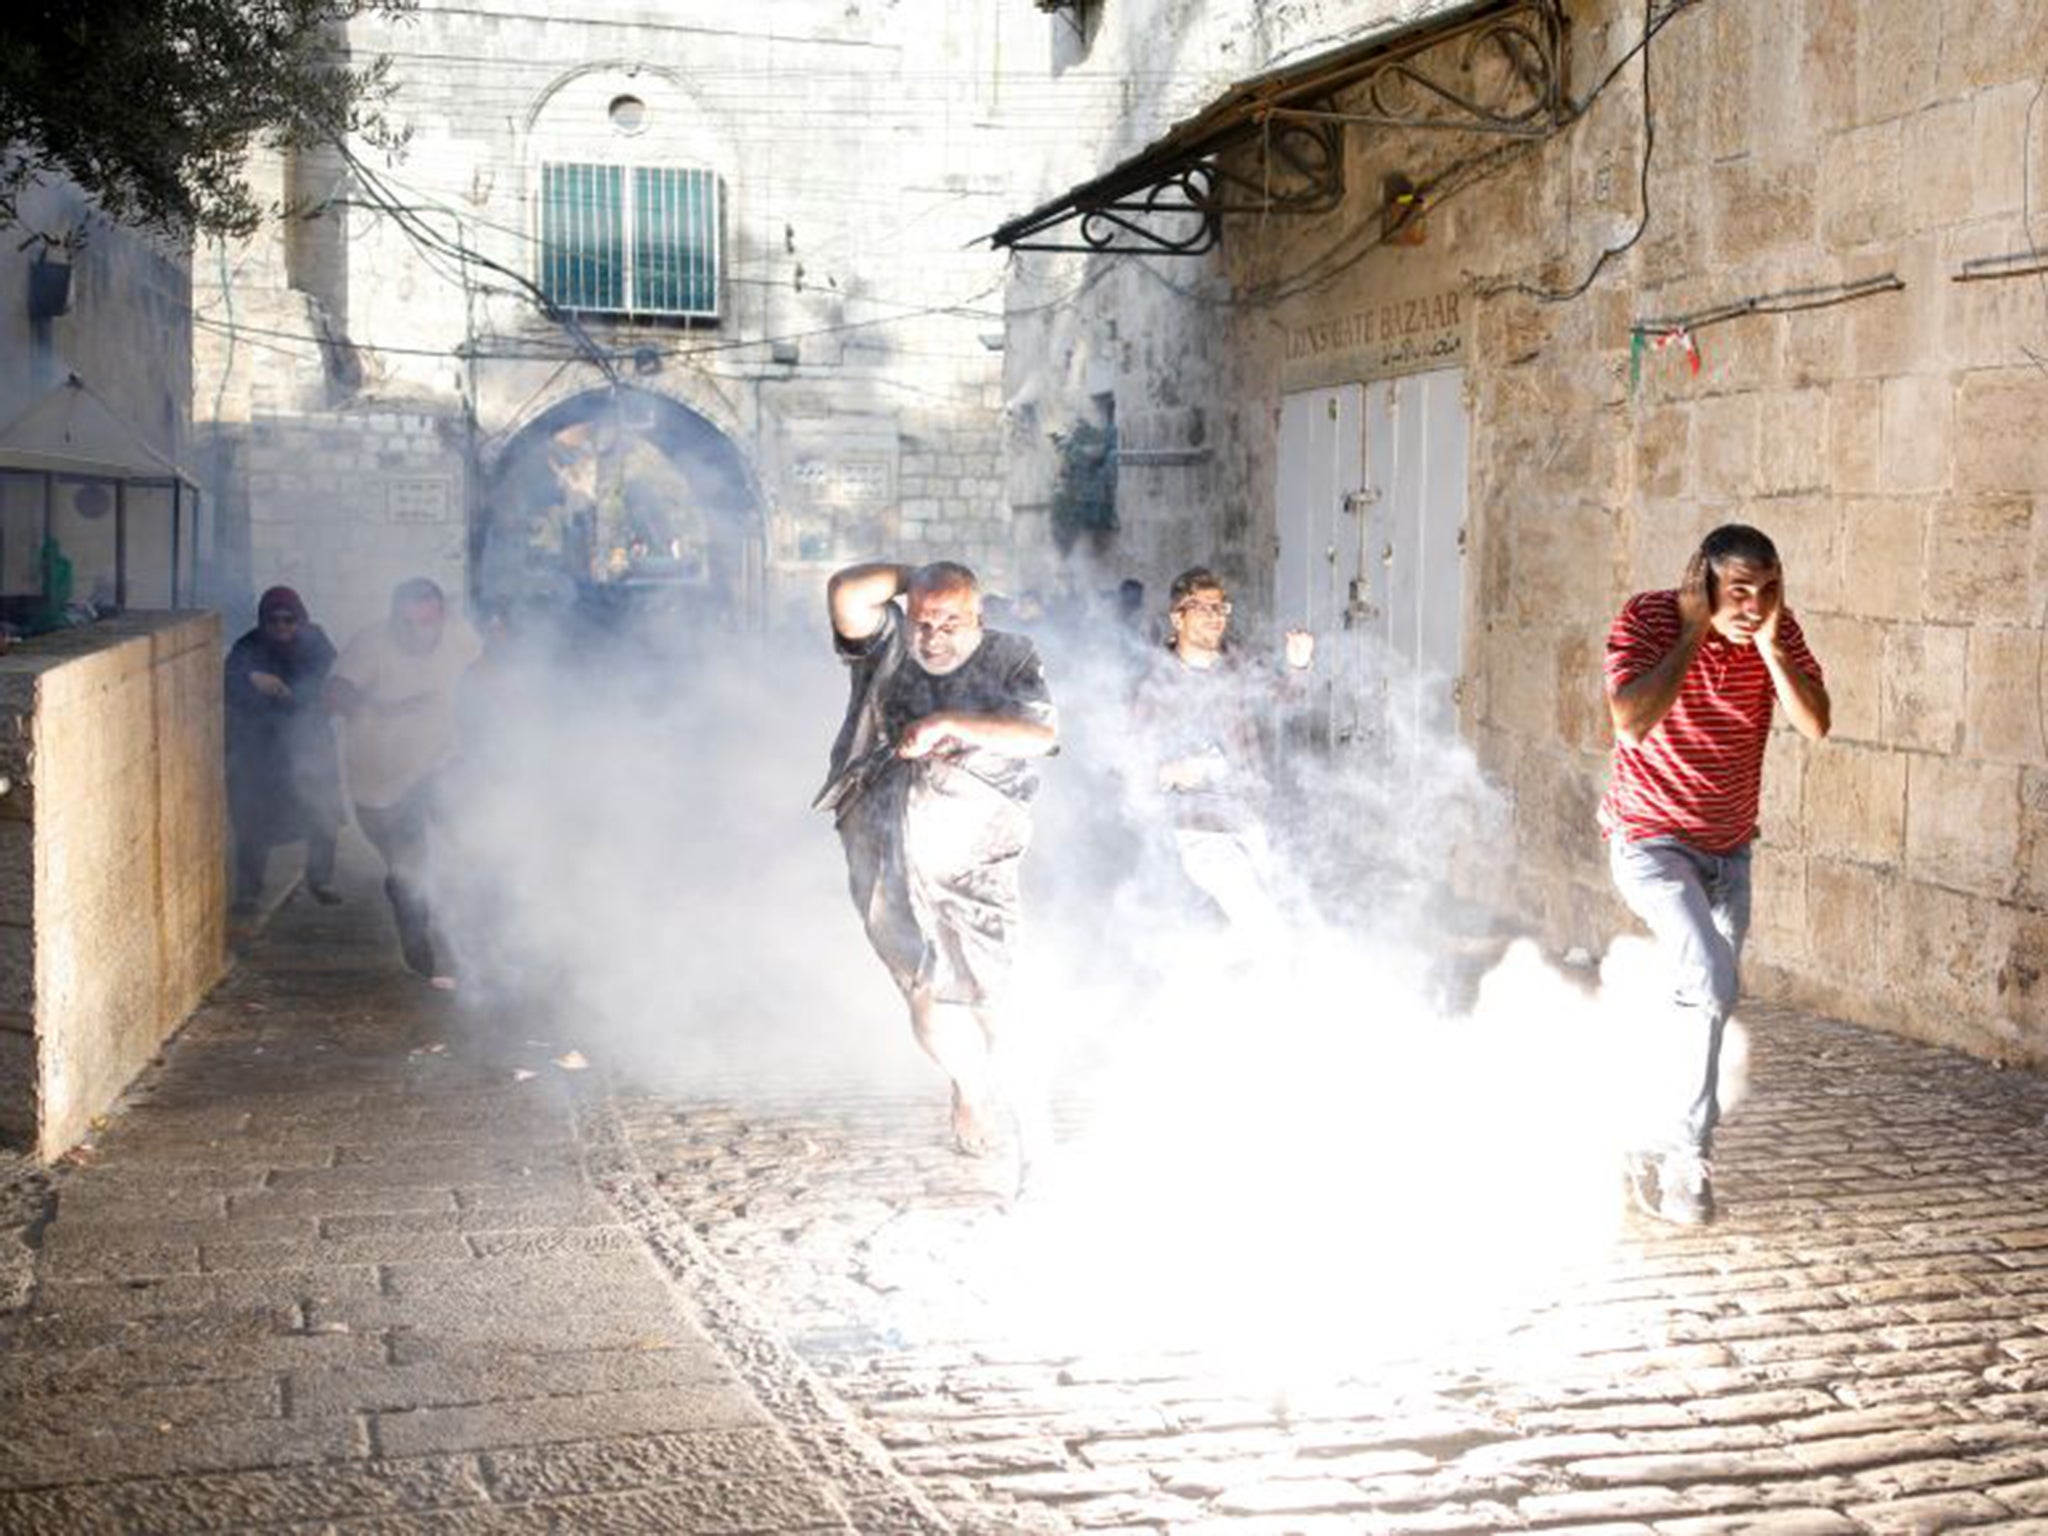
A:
{"x":931,"y":785}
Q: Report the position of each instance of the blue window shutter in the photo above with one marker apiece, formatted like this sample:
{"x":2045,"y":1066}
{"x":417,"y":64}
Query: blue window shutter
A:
{"x":583,"y":236}
{"x":656,"y":254}
{"x":675,"y":241}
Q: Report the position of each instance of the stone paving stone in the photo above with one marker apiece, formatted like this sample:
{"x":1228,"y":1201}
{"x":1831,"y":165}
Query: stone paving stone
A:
{"x":362,"y":1199}
{"x":77,"y":1258}
{"x":52,"y":1449}
{"x":2023,"y":1498}
{"x":154,"y":1361}
{"x":275,"y":1253}
{"x":622,"y":1462}
{"x":986,"y":1458}
{"x":266,"y":1499}
{"x":1931,"y":1513}
{"x":1600,"y":1505}
{"x":754,"y":1511}
{"x":547,"y":1243}
{"x":316,"y":1282}
{"x":1072,"y":1486}
{"x":461,"y":1376}
{"x":1778,"y":1522}
{"x":536,"y":1421}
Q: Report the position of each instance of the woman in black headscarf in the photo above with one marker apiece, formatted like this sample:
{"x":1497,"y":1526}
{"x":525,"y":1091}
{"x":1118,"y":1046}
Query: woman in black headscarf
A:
{"x":284,"y":779}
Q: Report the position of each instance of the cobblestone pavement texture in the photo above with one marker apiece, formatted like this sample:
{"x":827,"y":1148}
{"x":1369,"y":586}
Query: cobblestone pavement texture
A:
{"x":1858,"y":1345}
{"x":341,"y":1264}
{"x":344,"y":1262}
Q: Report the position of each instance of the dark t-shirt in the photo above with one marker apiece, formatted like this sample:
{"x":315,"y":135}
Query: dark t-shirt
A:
{"x":891,"y":692}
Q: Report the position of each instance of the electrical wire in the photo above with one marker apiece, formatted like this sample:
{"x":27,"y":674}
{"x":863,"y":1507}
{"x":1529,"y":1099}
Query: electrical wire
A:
{"x":382,"y":198}
{"x":433,"y":205}
{"x":532,"y":353}
{"x":1363,"y":239}
{"x":424,"y":236}
{"x":1784,"y":302}
{"x":1652,"y":25}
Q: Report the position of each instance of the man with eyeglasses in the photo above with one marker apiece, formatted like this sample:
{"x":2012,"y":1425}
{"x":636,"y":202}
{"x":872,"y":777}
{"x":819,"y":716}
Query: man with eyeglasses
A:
{"x":1205,"y":713}
{"x":931,"y":783}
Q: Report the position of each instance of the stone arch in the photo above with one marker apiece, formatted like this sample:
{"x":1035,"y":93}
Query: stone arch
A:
{"x":619,"y":501}
{"x":569,"y":119}
{"x":610,"y":75}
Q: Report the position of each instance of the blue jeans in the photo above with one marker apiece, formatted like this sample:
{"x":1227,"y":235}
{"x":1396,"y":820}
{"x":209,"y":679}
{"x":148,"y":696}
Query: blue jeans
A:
{"x":1697,"y":906}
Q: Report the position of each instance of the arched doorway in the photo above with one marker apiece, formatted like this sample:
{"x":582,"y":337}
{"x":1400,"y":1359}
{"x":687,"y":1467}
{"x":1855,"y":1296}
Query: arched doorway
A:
{"x":622,"y":504}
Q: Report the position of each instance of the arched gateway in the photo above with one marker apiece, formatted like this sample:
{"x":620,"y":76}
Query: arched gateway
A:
{"x":622,"y":502}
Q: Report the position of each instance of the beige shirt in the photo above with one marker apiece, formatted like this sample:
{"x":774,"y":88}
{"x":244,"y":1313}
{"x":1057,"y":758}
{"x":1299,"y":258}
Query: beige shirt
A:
{"x":405,"y":728}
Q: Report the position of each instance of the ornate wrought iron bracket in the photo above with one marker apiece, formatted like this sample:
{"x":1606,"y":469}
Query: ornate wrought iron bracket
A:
{"x":1176,"y":216}
{"x":1299,"y":169}
{"x":1275,"y":145}
{"x":1501,"y":73}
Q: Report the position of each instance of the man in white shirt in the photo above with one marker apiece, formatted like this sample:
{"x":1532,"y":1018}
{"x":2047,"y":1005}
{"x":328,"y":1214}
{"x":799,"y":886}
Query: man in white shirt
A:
{"x":394,"y":687}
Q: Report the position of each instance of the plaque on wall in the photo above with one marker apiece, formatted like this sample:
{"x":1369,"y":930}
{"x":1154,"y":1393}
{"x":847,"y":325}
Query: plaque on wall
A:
{"x":849,"y":482}
{"x":1379,"y":339}
{"x":418,"y":501}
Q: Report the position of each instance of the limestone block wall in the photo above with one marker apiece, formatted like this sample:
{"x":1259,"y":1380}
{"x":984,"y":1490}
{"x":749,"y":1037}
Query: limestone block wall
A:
{"x":345,"y":505}
{"x":860,"y":154}
{"x":112,"y":884}
{"x":1891,"y":444}
{"x":128,"y":332}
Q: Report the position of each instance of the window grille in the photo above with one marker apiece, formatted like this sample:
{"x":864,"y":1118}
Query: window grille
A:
{"x":643,"y":240}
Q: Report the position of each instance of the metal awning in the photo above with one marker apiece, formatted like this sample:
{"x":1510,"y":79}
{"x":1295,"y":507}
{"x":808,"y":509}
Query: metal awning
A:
{"x":71,"y":436}
{"x":71,"y":431}
{"x":1170,"y":197}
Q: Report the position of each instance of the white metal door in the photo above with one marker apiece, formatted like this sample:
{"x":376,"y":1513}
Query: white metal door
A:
{"x":1372,"y":536}
{"x":1322,"y":451}
{"x":1416,"y":448}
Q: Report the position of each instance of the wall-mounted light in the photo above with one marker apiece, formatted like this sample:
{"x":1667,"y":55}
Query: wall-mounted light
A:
{"x":1401,"y":212}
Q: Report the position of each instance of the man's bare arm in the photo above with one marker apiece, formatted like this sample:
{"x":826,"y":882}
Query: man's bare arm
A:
{"x":1805,"y":698}
{"x":1640,"y":703}
{"x":1011,"y":735}
{"x":857,"y":595}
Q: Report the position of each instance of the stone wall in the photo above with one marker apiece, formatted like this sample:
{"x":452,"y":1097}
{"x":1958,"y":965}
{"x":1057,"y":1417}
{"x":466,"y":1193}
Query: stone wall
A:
{"x":128,"y":330}
{"x":112,"y":884}
{"x":860,"y":154}
{"x":345,"y":505}
{"x":1890,"y":444}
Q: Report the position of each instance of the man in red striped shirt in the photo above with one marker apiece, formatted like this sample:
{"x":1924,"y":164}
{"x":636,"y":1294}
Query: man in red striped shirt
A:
{"x":1693,"y":676}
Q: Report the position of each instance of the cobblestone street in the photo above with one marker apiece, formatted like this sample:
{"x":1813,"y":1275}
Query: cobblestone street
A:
{"x":342,"y":1263}
{"x":354,"y":1260}
{"x":1859,"y":1345}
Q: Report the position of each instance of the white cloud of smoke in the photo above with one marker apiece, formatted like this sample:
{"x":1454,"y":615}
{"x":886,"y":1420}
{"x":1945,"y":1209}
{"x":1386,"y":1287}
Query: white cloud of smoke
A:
{"x":635,"y":870}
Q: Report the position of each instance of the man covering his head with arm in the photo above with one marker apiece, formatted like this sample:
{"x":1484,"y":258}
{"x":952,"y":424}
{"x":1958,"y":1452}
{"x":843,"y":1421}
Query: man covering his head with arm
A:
{"x":1693,"y":676}
{"x":931,"y":783}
